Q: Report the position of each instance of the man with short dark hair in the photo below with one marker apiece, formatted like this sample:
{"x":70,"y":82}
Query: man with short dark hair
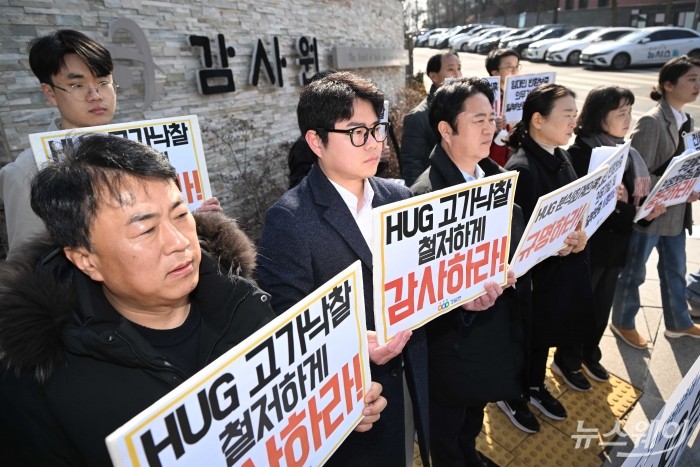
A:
{"x":75,"y":73}
{"x":418,"y":139}
{"x":473,"y":357}
{"x":121,"y":307}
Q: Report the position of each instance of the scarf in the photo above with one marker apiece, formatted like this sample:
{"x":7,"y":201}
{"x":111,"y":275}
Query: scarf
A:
{"x":636,"y":171}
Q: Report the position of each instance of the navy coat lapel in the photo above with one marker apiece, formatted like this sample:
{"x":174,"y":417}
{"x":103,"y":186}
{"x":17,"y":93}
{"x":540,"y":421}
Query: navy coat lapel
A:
{"x":334,"y":210}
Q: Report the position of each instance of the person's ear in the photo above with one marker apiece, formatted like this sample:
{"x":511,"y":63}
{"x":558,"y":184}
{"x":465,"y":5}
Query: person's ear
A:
{"x":434,"y":77}
{"x":85,"y":261}
{"x":314,"y":141}
{"x":537,"y":120}
{"x":668,"y":86}
{"x":445,"y":130}
{"x":49,"y":93}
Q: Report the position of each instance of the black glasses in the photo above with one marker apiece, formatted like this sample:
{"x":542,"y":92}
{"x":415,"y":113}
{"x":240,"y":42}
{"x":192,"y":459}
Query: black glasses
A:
{"x":359,"y":134}
{"x":81,"y":92}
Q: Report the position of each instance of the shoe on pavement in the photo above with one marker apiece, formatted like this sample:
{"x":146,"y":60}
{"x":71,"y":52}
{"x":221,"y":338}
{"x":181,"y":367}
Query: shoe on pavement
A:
{"x":574,"y":379}
{"x":694,"y":310}
{"x":630,"y":337}
{"x":693,"y":331}
{"x":548,"y":405}
{"x":520,"y":415}
{"x":480,"y":460}
{"x":596,"y":371}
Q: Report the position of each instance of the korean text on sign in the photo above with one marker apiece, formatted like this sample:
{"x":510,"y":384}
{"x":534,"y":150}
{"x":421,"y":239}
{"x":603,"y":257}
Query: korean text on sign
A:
{"x":178,"y":138}
{"x":287,"y":395}
{"x":434,"y":252}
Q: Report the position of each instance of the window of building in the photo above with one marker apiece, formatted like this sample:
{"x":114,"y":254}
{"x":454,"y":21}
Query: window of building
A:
{"x":582,"y":4}
{"x":569,"y":4}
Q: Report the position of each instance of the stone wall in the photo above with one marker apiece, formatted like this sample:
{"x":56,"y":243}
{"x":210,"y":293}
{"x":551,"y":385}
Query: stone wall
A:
{"x":263,"y":115}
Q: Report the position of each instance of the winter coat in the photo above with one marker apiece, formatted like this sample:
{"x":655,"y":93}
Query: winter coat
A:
{"x":657,"y":138}
{"x":74,"y":370}
{"x":477,"y":357}
{"x":417,"y":140}
{"x":562,"y":295}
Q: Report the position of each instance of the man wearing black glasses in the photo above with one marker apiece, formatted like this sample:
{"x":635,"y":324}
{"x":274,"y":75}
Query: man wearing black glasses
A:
{"x":323,"y":225}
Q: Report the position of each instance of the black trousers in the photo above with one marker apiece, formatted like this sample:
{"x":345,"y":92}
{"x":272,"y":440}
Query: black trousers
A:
{"x":604,"y":282}
{"x":453,"y":433}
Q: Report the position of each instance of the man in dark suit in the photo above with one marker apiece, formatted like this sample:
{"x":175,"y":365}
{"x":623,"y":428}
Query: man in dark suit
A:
{"x":322,"y":226}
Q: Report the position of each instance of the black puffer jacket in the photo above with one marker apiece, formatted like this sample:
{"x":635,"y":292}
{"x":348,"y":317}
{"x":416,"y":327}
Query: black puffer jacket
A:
{"x":73,"y":370}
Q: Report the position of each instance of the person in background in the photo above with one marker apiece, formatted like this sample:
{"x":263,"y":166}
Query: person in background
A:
{"x":605,"y":119}
{"x":418,"y":139}
{"x":502,"y":63}
{"x":473,"y":357}
{"x":658,"y":138}
{"x":562,"y":296}
{"x":75,"y":76}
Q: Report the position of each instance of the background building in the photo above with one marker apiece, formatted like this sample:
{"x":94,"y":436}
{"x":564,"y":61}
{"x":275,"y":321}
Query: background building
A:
{"x":259,"y":52}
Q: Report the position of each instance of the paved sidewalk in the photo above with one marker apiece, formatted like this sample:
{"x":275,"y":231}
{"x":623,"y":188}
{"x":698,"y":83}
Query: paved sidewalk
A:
{"x":658,"y":370}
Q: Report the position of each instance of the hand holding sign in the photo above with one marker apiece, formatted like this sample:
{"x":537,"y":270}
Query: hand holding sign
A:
{"x":374,"y":404}
{"x":484,"y":302}
{"x":380,"y":354}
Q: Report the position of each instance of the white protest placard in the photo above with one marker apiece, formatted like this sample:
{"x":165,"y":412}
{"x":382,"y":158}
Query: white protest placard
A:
{"x":516,"y":91}
{"x":692,"y":142}
{"x":555,"y":216}
{"x":605,"y":200}
{"x":668,"y":434}
{"x":287,"y":395}
{"x":495,"y":83}
{"x":434,"y":252}
{"x":178,"y":138}
{"x":675,"y":185}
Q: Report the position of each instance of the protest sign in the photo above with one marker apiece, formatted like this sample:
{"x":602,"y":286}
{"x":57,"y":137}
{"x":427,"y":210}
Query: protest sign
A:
{"x":668,"y":434}
{"x":692,"y":144}
{"x":287,"y":395}
{"x":675,"y":185}
{"x":605,"y":200}
{"x":178,"y":138}
{"x":555,"y":216}
{"x":517,"y":89}
{"x":495,"y":83}
{"x":434,"y":252}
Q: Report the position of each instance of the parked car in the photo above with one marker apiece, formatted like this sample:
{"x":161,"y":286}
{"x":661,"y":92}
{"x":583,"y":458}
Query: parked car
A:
{"x":493,"y":33}
{"x":521,"y":44}
{"x":570,"y":51}
{"x":422,"y":40}
{"x":489,"y":44}
{"x":466,"y":31}
{"x":537,"y":51}
{"x":440,"y":41}
{"x":457,"y":41}
{"x":434,"y":38}
{"x":531,"y":32}
{"x":647,"y":46}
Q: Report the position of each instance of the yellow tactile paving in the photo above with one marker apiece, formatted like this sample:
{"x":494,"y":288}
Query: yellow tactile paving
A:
{"x":593,"y":422}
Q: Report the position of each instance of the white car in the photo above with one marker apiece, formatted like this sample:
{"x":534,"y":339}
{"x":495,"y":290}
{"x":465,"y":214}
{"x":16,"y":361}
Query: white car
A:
{"x":489,"y":34}
{"x":647,"y":46}
{"x":570,"y":51}
{"x":537,"y":51}
{"x":455,"y":42}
